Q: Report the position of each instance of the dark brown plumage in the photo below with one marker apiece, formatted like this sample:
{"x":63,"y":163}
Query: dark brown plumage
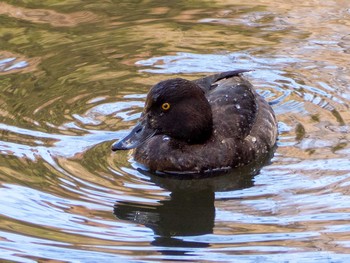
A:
{"x":214,"y":122}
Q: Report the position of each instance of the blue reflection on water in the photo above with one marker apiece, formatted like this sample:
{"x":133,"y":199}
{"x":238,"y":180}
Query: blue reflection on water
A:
{"x":8,"y":64}
{"x":192,"y":63}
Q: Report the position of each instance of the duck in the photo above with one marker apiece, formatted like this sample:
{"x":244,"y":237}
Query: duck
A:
{"x":212,"y":123}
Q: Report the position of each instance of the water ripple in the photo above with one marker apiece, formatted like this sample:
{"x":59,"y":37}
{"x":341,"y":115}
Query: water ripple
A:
{"x":69,"y":90}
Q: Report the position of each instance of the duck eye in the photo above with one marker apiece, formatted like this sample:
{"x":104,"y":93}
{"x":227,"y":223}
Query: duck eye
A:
{"x":166,"y":106}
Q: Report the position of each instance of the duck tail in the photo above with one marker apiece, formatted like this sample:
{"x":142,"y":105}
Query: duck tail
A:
{"x":206,"y":82}
{"x":230,"y":74}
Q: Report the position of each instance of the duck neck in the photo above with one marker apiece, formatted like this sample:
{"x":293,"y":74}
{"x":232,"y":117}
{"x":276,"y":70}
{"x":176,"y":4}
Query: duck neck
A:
{"x":200,"y":122}
{"x":203,"y":135}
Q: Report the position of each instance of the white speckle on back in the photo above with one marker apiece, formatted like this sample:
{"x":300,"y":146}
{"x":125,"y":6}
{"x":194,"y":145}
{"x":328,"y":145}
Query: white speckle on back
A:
{"x":251,"y":138}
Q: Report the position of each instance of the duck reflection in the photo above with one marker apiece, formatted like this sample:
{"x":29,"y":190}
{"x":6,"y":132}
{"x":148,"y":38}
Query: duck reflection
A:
{"x":185,"y":213}
{"x":190,"y":209}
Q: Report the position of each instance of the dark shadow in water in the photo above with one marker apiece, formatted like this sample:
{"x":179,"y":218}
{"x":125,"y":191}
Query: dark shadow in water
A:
{"x":190,"y":209}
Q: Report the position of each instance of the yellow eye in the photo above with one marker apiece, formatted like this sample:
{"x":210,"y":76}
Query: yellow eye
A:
{"x":166,"y":106}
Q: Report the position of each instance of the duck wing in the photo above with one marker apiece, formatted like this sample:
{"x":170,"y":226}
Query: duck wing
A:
{"x":235,"y":106}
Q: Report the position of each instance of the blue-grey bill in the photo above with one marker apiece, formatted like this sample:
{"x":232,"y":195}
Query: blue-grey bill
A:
{"x":138,"y":135}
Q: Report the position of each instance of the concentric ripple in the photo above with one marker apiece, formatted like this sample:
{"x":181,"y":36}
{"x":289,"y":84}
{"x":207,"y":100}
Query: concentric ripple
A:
{"x":74,"y":78}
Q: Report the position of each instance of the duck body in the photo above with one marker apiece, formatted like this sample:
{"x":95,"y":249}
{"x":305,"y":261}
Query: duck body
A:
{"x":216,"y":122}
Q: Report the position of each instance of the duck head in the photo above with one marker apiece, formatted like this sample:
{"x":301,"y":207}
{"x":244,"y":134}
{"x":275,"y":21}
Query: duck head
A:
{"x":177,"y":108}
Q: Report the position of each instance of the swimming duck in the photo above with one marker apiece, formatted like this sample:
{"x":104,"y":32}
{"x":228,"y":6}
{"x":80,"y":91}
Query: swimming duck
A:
{"x":211,"y":123}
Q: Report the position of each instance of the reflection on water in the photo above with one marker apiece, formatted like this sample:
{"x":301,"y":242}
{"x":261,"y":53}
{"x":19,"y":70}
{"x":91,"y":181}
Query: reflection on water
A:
{"x":74,"y":76}
{"x":186,"y":213}
{"x":190,"y":208}
{"x":36,"y":15}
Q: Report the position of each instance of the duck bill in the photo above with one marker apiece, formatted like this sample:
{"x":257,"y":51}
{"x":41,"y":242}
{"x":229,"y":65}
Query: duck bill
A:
{"x":139,"y":135}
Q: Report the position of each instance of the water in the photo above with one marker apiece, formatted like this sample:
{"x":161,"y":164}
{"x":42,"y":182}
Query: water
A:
{"x":74,"y":75}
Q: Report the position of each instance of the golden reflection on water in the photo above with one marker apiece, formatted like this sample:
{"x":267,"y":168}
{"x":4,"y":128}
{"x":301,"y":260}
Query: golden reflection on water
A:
{"x":80,"y":89}
{"x":46,"y":15}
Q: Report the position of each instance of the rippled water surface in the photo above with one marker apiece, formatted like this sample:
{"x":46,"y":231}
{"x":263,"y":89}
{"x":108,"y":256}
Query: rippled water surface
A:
{"x":74,"y":75}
